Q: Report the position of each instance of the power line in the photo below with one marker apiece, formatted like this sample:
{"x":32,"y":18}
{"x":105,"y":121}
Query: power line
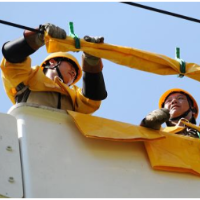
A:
{"x":21,"y":26}
{"x":163,"y":11}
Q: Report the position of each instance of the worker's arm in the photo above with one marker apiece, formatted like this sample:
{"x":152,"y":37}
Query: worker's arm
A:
{"x":93,"y":80}
{"x":16,"y":64}
{"x":156,"y":118}
{"x":88,"y":100}
{"x":83,"y":104}
{"x":18,"y":50}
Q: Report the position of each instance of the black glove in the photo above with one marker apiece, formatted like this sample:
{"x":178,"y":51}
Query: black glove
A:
{"x":36,"y":40}
{"x":156,"y":118}
{"x":92,"y":60}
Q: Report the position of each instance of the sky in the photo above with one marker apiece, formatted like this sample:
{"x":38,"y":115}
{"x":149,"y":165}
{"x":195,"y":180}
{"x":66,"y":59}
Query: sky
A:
{"x":132,"y":94}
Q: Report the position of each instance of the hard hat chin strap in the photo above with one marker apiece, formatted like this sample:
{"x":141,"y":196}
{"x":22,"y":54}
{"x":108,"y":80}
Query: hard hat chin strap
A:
{"x":57,"y":70}
{"x":181,"y":116}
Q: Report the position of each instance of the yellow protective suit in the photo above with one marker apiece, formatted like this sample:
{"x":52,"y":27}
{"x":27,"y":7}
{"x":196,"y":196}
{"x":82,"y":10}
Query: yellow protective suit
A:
{"x":166,"y":150}
{"x":134,"y":58}
{"x":34,"y":78}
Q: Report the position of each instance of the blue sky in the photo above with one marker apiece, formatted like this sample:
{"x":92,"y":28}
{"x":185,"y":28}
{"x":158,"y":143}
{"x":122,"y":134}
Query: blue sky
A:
{"x":132,"y":94}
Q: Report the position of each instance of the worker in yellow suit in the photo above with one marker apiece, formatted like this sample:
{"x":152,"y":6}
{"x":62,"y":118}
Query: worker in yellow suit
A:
{"x":175,"y":105}
{"x":53,"y":82}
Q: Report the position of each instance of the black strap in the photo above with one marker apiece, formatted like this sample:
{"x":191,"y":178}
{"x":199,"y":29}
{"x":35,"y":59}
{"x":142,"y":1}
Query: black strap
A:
{"x":57,"y":69}
{"x":22,"y":97}
{"x":59,"y":101}
{"x":190,"y":132}
{"x":181,"y":116}
{"x":59,"y":73}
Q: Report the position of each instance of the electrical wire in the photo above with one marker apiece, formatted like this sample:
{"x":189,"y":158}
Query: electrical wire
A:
{"x":21,"y":26}
{"x":162,"y":11}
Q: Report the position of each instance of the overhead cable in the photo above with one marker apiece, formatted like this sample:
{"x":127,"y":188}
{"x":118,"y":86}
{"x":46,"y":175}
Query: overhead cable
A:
{"x":162,"y":11}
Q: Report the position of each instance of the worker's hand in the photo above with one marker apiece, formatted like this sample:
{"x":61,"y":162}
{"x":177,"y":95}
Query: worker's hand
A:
{"x":36,"y":40}
{"x":54,"y":31}
{"x":92,"y":39}
{"x":156,"y":118}
{"x":92,"y":60}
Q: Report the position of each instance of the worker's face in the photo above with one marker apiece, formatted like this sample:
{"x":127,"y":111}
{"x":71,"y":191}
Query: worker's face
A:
{"x":177,"y":104}
{"x":68,"y":72}
{"x":66,"y":69}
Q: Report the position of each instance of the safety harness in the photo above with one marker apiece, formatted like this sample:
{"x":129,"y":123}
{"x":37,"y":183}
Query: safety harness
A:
{"x":188,"y":131}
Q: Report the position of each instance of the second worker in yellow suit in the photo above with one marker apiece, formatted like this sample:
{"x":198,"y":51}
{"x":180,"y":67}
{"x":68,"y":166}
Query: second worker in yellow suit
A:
{"x":52,"y":83}
{"x":175,"y":106}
